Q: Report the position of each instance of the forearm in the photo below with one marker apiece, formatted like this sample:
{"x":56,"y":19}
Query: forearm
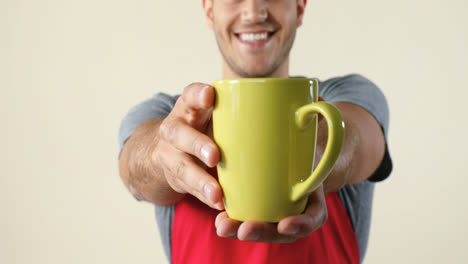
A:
{"x":139,"y":169}
{"x":363,"y":147}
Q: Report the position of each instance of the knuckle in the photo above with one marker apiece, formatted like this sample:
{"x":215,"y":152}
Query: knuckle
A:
{"x":168,"y":128}
{"x":197,"y":145}
{"x":179,"y":169}
{"x":173,"y":179}
{"x":191,"y":117}
{"x":173,"y":183}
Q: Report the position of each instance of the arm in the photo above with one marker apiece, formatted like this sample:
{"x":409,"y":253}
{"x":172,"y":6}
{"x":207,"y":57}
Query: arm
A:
{"x":363,"y":149}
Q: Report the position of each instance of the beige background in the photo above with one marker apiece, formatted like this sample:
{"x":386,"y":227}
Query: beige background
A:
{"x":69,"y":71}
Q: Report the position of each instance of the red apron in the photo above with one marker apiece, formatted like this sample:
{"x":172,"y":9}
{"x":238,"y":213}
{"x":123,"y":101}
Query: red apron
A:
{"x":194,"y":239}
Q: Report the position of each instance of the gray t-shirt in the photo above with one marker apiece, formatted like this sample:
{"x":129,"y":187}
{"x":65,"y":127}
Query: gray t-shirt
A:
{"x":357,"y":199}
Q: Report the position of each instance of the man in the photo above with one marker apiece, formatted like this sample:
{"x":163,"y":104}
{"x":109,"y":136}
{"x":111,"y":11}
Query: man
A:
{"x":168,"y":154}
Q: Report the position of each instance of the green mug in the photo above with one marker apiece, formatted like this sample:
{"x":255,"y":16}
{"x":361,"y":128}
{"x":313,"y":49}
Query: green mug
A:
{"x":266,"y":130}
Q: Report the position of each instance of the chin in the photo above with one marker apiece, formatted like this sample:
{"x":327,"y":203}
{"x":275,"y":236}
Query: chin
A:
{"x":257,"y":71}
{"x":256,"y":67}
{"x":259,"y":74}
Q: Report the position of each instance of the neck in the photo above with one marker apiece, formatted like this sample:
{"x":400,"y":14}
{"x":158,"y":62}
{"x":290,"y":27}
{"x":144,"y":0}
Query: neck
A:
{"x":281,"y":72}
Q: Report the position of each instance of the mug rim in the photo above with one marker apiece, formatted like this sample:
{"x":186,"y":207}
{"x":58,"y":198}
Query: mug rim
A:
{"x":263,"y":80}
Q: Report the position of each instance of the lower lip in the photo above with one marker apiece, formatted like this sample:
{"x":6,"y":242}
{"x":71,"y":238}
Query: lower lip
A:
{"x":255,"y":44}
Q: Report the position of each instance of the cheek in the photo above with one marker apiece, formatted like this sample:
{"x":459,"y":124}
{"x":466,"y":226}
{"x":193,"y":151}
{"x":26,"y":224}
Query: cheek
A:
{"x":224,"y":16}
{"x":289,"y":16}
{"x":222,"y":29}
{"x":221,"y":35}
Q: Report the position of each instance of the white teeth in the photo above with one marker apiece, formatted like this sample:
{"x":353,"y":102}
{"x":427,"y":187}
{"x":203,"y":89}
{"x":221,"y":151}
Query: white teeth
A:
{"x":253,"y":37}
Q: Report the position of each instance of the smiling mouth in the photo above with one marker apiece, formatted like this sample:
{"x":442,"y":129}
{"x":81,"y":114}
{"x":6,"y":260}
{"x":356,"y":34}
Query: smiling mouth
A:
{"x":256,"y":39}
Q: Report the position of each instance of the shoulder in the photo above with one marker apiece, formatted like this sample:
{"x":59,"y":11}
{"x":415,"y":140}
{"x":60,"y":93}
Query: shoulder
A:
{"x":358,"y":90}
{"x":349,"y":85}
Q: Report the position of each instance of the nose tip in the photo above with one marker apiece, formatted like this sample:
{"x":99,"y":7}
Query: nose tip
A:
{"x":255,"y":12}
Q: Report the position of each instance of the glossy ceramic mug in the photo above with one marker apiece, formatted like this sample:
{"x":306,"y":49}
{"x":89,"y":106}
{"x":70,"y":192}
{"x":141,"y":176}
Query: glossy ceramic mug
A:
{"x":266,"y":131}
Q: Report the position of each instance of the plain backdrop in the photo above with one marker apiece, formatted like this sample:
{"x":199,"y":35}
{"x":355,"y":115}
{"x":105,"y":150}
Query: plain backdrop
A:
{"x":70,"y":70}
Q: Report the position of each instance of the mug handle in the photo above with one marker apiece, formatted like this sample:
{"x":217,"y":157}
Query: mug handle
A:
{"x":335,"y":141}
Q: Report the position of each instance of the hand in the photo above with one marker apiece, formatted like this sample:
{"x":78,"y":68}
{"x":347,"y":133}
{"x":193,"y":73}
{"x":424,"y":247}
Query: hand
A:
{"x":184,"y":148}
{"x":287,"y":230}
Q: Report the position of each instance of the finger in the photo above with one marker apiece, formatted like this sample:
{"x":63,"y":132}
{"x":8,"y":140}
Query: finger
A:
{"x":195,"y":98}
{"x":185,"y":176}
{"x":187,"y":139}
{"x":225,"y":226}
{"x":262,"y":232}
{"x":313,"y":218}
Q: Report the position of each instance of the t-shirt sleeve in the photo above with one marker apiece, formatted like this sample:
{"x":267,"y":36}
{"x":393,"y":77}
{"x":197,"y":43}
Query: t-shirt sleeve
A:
{"x":360,"y":91}
{"x":156,"y":107}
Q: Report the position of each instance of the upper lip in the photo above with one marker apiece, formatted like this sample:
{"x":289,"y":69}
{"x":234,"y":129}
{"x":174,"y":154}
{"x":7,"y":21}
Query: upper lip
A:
{"x":254,"y":31}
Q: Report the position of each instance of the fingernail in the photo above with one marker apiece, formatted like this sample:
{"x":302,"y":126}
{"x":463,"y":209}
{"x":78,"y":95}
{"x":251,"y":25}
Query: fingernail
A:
{"x":208,"y":189}
{"x":292,"y":231}
{"x":231,"y":234}
{"x":219,"y":206}
{"x":205,"y":152}
{"x":202,"y":92}
{"x":254,"y":236}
